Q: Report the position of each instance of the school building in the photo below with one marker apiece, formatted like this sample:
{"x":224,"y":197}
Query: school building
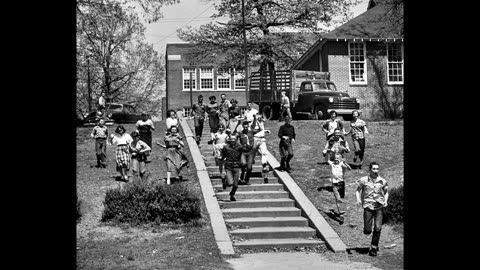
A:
{"x":186,"y":80}
{"x":365,"y":58}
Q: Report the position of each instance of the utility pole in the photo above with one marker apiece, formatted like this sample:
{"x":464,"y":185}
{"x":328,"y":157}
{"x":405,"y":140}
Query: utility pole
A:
{"x":245,"y":51}
{"x":191,"y":89}
{"x":89,"y":87}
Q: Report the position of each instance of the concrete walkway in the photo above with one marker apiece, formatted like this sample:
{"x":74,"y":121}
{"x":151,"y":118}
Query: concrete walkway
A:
{"x":292,"y":261}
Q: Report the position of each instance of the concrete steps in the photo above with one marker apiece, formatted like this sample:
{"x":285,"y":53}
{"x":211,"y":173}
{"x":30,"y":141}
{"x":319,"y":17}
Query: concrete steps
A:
{"x":261,"y":212}
{"x":278,"y":243}
{"x":242,"y":195}
{"x":255,"y":187}
{"x":253,"y":203}
{"x":253,"y":180}
{"x":274,"y":232}
{"x":263,"y":215}
{"x":247,"y":222}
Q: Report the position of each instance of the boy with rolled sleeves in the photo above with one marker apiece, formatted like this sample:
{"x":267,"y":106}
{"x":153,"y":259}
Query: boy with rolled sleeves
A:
{"x":372,"y":195}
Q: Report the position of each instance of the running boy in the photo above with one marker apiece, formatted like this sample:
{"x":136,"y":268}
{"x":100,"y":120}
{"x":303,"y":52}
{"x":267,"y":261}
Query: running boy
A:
{"x":100,"y":133}
{"x":338,"y":166}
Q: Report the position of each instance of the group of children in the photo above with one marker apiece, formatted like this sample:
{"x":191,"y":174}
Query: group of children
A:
{"x":130,"y":151}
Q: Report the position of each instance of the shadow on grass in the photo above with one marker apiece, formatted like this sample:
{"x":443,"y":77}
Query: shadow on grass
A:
{"x":359,"y":250}
{"x":334,"y":216}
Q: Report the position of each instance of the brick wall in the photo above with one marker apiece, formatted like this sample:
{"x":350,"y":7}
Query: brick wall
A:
{"x":176,"y":97}
{"x":377,"y":97}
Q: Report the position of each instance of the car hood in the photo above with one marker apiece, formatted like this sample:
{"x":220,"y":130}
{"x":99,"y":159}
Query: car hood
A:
{"x":328,"y":93}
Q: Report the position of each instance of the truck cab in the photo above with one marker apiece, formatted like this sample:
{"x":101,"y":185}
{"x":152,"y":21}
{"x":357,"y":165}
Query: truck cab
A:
{"x":317,"y":98}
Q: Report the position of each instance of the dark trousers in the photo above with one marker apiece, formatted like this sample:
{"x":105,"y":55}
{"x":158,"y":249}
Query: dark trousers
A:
{"x":339,"y":189}
{"x":101,"y":150}
{"x":198,"y":127}
{"x":232,"y":176}
{"x":359,"y":147}
{"x":375,"y":217}
{"x":247,"y":160}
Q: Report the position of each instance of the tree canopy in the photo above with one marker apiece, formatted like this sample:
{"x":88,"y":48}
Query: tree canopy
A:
{"x":278,"y":31}
{"x":114,"y":58}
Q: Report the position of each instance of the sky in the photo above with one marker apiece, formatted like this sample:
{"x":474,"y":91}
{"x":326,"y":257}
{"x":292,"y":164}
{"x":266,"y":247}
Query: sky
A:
{"x":192,"y":13}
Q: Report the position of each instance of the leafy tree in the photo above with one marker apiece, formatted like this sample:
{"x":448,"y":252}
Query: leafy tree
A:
{"x":113,"y":57}
{"x":266,"y":23}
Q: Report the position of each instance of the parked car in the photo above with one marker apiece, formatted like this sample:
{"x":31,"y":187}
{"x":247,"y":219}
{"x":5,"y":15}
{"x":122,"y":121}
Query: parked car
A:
{"x":122,"y":113}
{"x":92,"y":119}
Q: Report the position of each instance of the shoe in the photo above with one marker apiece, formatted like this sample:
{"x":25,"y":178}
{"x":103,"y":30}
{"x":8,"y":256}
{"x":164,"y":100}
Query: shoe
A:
{"x":232,"y":199}
{"x":247,"y":183}
{"x":354,"y":159}
{"x":373,"y":252}
{"x":288,"y":170}
{"x":210,"y":142}
{"x":280,"y":169}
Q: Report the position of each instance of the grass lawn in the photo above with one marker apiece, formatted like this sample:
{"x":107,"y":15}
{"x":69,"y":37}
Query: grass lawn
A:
{"x":100,"y":246}
{"x":192,"y":246}
{"x":384,"y":145}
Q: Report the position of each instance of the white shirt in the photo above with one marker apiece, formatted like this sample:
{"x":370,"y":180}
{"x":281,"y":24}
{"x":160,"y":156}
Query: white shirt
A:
{"x":249,"y":114}
{"x":171,"y":122}
{"x":261,"y":127}
{"x":101,"y":101}
{"x":337,"y":172}
{"x":121,"y":139}
{"x":145,"y":123}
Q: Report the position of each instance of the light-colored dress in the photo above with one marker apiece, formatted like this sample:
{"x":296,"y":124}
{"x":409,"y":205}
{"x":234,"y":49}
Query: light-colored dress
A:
{"x":173,"y":156}
{"x":220,"y":140}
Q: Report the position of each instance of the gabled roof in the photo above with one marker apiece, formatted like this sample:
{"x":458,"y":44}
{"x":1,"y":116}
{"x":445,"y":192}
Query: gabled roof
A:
{"x":373,"y":23}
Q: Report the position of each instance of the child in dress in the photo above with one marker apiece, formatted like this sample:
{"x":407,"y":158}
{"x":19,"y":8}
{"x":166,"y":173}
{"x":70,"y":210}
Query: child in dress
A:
{"x":173,"y":158}
{"x":122,"y":154}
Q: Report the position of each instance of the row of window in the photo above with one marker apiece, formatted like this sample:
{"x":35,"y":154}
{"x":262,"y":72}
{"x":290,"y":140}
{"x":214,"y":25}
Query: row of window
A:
{"x":358,"y":63}
{"x":227,"y":79}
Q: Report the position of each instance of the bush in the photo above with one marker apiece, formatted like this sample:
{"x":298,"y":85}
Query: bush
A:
{"x":146,"y":203}
{"x":393,"y":213}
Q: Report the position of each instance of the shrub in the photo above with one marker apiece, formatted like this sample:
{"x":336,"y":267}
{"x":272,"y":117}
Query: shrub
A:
{"x":148,"y":202}
{"x":393,"y":213}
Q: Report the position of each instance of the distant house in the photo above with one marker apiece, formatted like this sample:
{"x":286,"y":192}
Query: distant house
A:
{"x":207,"y":80}
{"x":365,"y":57}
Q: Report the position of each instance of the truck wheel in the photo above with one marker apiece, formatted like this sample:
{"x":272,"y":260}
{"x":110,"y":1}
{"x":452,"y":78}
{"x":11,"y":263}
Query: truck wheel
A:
{"x":320,"y":113}
{"x":267,"y":112}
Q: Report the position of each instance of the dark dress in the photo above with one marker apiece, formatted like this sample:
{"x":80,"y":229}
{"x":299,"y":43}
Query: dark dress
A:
{"x":213,"y":118}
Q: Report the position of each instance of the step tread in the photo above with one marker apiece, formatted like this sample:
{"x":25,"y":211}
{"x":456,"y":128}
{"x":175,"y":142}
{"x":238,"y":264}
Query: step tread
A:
{"x":259,"y":209}
{"x":254,"y":185}
{"x":278,"y":241}
{"x":251,"y":192}
{"x":262,"y":200}
{"x":274,"y":229}
{"x":254,"y":219}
